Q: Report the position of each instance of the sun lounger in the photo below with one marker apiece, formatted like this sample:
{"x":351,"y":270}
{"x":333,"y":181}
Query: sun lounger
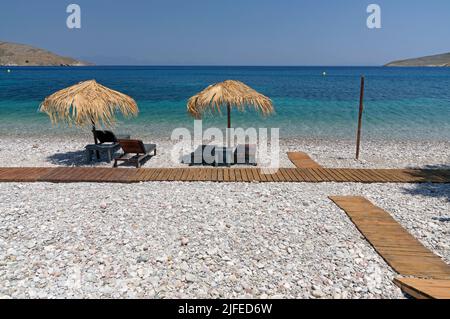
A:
{"x":223,"y":156}
{"x":107,"y":142}
{"x":245,"y":154}
{"x":108,"y":137}
{"x":108,"y":149}
{"x":134,"y":151}
{"x":203,"y":155}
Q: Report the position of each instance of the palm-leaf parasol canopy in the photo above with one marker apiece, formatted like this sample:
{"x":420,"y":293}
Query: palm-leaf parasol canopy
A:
{"x":228,"y":94}
{"x":88,"y":103}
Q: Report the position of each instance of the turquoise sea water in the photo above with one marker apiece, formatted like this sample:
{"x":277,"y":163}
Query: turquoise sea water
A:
{"x":404,"y":103}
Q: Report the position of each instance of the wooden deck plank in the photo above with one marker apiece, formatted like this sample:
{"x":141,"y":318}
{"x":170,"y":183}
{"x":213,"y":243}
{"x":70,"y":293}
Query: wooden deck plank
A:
{"x":215,"y":174}
{"x":149,"y":174}
{"x":190,"y":175}
{"x":253,"y":175}
{"x":206,"y":175}
{"x":200,"y":175}
{"x":354,"y":173}
{"x":98,"y":174}
{"x":277,"y":176}
{"x":324,"y":177}
{"x":366,"y":176}
{"x":342,"y":174}
{"x":154,"y":177}
{"x":285,"y":175}
{"x":302,"y":176}
{"x":226,"y":175}
{"x":32,"y":174}
{"x":220,"y":177}
{"x":292,"y":175}
{"x":237,"y":174}
{"x":298,"y":178}
{"x":309,"y":177}
{"x":250,"y":174}
{"x":267,"y":175}
{"x":164,"y":175}
{"x":185,"y":174}
{"x":302,"y":160}
{"x":393,"y":177}
{"x":121,"y":175}
{"x":404,"y":253}
{"x":169,"y":177}
{"x":157,"y":173}
{"x":424,"y":288}
{"x":316,"y":174}
{"x":245,"y":177}
{"x":142,"y":177}
{"x":380,"y":178}
{"x":178,"y":174}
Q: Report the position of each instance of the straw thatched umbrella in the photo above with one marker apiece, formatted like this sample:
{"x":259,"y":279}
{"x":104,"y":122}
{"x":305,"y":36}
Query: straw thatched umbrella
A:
{"x":228,"y":94}
{"x":88,"y":103}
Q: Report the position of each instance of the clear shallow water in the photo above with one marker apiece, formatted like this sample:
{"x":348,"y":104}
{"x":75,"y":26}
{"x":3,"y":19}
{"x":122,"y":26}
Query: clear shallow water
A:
{"x":404,"y":103}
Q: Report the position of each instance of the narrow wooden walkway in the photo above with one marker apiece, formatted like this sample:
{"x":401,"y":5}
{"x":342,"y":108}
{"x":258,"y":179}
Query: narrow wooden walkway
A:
{"x":302,"y":160}
{"x":404,"y":253}
{"x":289,"y":175}
{"x":424,"y":288}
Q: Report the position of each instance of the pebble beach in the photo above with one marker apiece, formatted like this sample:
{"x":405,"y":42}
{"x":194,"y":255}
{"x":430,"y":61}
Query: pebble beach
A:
{"x":207,"y":240}
{"x":66,"y":151}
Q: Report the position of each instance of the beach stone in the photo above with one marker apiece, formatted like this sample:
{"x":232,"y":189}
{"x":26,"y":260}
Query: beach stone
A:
{"x":317,"y":293}
{"x":269,"y":248}
{"x":142,"y":259}
{"x":190,"y":278}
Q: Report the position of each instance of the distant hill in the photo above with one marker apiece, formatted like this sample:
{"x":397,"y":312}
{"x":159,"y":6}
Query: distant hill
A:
{"x":442,"y":60}
{"x":12,"y":54}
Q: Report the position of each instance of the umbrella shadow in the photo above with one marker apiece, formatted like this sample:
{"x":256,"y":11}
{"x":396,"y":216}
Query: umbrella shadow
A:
{"x":133,"y":165}
{"x":76,"y":158}
{"x":442,"y":219}
{"x":430,"y":189}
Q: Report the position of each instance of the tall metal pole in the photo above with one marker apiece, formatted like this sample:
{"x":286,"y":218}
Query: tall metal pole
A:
{"x":361,"y":109}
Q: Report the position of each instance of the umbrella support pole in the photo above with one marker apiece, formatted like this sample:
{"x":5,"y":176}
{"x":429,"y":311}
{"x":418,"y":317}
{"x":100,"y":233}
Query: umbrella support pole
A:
{"x":229,"y":125}
{"x":97,"y":153}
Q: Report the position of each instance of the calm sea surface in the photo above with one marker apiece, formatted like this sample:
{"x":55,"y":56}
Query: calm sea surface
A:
{"x":403,"y":103}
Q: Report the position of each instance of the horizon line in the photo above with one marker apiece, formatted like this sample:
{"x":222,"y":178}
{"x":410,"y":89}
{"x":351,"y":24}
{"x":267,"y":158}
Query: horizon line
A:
{"x":202,"y":65}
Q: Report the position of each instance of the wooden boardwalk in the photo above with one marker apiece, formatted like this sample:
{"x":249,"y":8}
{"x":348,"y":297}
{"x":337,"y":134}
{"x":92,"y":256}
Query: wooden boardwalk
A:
{"x":424,"y":288}
{"x":302,"y":160}
{"x":404,"y":253}
{"x":289,"y":175}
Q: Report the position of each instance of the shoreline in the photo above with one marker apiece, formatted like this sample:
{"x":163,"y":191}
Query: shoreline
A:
{"x":333,"y":153}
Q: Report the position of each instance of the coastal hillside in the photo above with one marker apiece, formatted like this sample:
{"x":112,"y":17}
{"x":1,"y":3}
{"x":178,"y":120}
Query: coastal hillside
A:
{"x":439,"y":60}
{"x":12,"y":54}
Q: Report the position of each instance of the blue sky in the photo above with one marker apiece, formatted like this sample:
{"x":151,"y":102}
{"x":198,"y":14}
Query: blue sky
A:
{"x":219,"y":32}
